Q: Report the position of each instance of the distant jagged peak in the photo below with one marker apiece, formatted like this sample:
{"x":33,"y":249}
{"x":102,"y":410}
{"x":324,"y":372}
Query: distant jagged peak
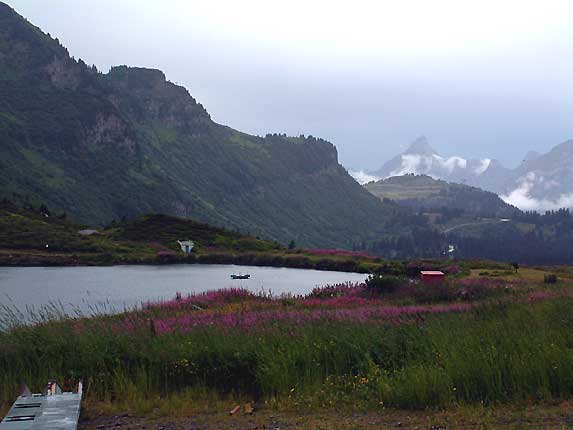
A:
{"x":558,"y":158}
{"x":422,"y":158}
{"x":531,"y":155}
{"x":421,"y":146}
{"x":564,"y":148}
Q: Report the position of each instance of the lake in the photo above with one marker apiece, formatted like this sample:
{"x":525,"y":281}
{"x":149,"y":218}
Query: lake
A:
{"x":118,"y":287}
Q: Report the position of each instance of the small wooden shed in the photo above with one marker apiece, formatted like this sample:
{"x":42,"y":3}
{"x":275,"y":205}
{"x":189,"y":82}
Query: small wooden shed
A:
{"x":432,"y":277}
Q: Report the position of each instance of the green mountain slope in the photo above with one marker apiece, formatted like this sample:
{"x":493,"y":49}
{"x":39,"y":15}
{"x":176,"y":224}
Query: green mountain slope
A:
{"x":422,"y":191}
{"x":107,"y":146}
{"x":35,"y":230}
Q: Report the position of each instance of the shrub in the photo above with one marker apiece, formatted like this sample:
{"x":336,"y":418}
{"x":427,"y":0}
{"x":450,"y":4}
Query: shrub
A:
{"x":381,"y":284}
{"x":452,"y":270}
{"x":337,"y":290}
{"x":550,"y":279}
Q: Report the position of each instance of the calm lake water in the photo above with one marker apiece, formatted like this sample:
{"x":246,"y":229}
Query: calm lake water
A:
{"x":118,"y":287}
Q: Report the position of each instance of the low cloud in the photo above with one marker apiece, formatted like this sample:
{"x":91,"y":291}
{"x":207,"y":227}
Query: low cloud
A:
{"x":522,"y":198}
{"x":451,"y":163}
{"x":362,"y":177}
{"x":412,"y":163}
{"x":434,"y":165}
{"x":483,"y":166}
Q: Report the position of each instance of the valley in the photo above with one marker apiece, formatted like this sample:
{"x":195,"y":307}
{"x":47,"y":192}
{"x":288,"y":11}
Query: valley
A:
{"x":208,"y":263}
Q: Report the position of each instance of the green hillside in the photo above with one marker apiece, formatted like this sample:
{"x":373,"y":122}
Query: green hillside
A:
{"x":38,"y":233}
{"x":35,"y":236}
{"x":109,"y":146}
{"x":424,"y":192}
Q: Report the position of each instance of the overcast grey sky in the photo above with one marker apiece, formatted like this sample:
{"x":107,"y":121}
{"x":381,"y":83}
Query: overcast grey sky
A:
{"x":480,"y":79}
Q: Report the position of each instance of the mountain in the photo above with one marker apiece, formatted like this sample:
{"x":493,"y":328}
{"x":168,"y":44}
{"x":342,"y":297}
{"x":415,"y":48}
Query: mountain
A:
{"x":541,"y":182}
{"x":422,"y":191}
{"x":128,"y":142}
{"x":421,"y":158}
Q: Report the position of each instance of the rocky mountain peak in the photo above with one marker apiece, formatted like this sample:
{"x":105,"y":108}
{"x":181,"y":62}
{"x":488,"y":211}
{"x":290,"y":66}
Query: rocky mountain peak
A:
{"x":565,"y":148}
{"x":420,"y":146}
{"x":137,"y":77}
{"x":531,"y":155}
{"x":147,"y":95}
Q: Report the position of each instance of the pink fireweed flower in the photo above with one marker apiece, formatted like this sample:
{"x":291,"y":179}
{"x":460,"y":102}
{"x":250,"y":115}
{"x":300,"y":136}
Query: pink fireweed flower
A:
{"x":541,"y":295}
{"x":205,"y":299}
{"x":339,"y":302}
{"x":255,"y":319}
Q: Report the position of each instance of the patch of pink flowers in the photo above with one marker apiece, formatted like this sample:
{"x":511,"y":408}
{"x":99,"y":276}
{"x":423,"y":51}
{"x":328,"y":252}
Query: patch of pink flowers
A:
{"x":339,"y":295}
{"x":542,"y":295}
{"x":340,"y":301}
{"x":248,"y":320}
{"x":205,"y":299}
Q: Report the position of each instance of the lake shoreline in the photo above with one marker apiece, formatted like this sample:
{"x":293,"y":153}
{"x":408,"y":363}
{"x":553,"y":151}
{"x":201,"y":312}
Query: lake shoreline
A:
{"x":18,"y":258}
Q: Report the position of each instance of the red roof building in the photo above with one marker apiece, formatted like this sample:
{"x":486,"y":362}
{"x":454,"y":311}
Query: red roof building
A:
{"x":432,"y":277}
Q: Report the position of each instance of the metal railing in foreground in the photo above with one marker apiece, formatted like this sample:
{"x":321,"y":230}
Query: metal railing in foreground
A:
{"x":50,"y":410}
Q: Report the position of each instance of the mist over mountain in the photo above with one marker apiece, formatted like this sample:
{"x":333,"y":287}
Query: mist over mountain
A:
{"x":541,"y":182}
{"x":421,"y":158}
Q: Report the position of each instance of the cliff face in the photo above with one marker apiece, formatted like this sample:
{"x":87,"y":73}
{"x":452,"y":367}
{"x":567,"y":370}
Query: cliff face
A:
{"x":106,"y":146}
{"x":146,"y":96}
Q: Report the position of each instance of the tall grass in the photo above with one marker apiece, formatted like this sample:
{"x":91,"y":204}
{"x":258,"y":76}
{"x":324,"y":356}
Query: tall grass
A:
{"x":495,"y":352}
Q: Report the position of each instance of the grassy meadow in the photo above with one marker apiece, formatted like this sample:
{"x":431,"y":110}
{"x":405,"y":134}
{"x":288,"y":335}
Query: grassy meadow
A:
{"x":478,"y":340}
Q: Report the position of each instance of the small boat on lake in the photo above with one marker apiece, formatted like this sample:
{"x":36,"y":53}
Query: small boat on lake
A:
{"x":235,"y":276}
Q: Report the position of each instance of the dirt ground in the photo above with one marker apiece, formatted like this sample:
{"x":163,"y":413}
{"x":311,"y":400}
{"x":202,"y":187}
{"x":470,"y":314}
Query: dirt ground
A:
{"x":523,"y":417}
